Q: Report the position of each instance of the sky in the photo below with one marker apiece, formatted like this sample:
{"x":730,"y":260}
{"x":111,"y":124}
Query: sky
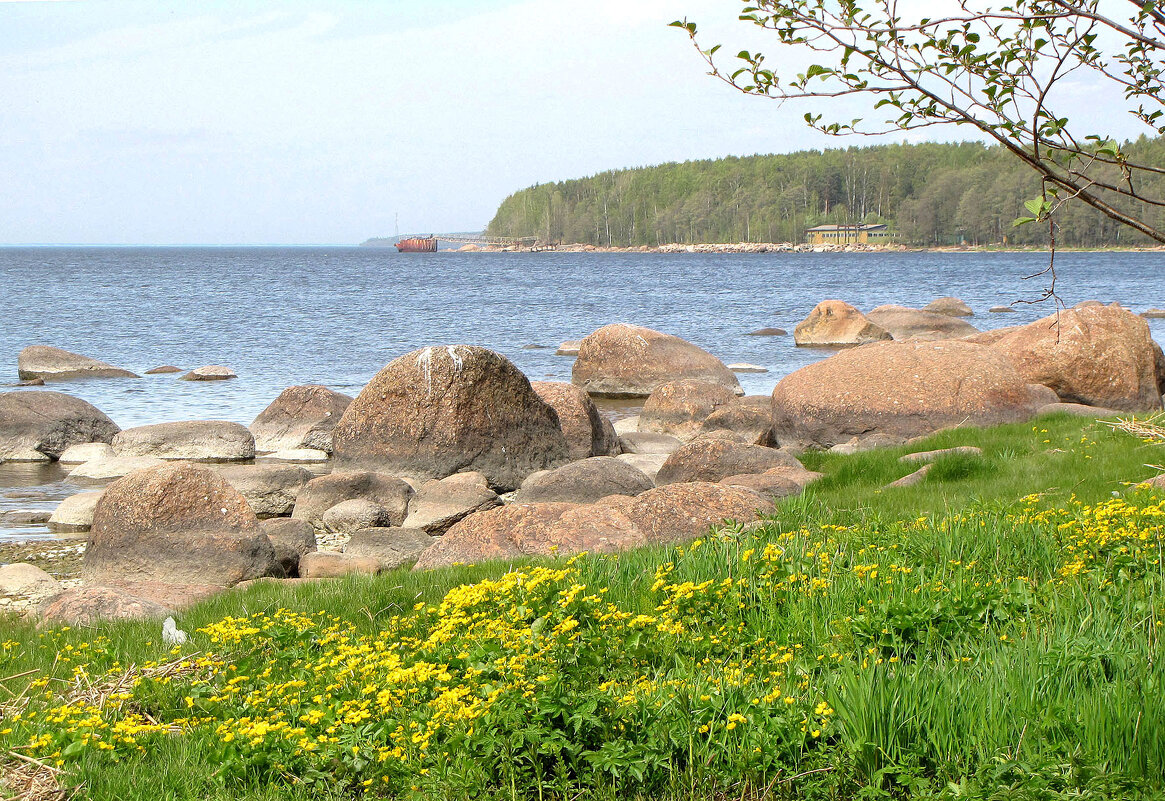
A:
{"x":305,"y":122}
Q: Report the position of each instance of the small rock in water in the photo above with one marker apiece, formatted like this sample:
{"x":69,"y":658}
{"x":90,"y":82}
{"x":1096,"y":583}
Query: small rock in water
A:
{"x":1001,"y":310}
{"x":568,"y":348}
{"x":745,"y":367}
{"x":213,"y":372}
{"x":768,"y":332}
{"x":298,"y":455}
{"x":537,"y":347}
{"x":1153,"y":314}
{"x":24,"y":517}
{"x":32,"y":382}
{"x":171,"y":634}
{"x":166,"y":368}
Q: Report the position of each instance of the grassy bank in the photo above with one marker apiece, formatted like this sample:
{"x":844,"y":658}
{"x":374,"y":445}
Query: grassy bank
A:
{"x":993,"y":632}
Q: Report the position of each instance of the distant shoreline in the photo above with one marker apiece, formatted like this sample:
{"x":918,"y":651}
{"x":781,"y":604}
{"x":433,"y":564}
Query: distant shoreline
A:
{"x":776,"y":247}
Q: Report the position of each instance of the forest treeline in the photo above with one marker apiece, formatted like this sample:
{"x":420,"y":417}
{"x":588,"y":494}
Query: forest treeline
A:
{"x":928,"y":194}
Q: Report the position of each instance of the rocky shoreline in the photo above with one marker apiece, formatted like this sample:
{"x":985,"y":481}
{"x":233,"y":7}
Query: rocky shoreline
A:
{"x":451,"y":455}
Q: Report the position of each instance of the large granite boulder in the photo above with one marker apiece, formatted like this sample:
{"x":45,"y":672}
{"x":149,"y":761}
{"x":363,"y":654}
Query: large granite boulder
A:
{"x":443,"y":410}
{"x":270,"y":490}
{"x":175,"y":524}
{"x":835,"y":323}
{"x":321,"y":494}
{"x":211,"y":372}
{"x":390,"y":547}
{"x":712,"y":460}
{"x":679,"y":407}
{"x":439,"y":504}
{"x":899,"y":390}
{"x":37,"y":425}
{"x":1096,"y":355}
{"x":355,"y":514}
{"x":749,"y":419}
{"x":85,"y":606}
{"x":664,"y":516}
{"x":507,"y":532}
{"x":629,"y":361}
{"x":905,"y":323}
{"x":585,"y":481}
{"x":291,"y":539}
{"x":103,"y":469}
{"x":188,"y":440}
{"x":775,"y":483}
{"x":301,"y":417}
{"x":27,"y":582}
{"x":48,"y":363}
{"x":952,"y":307}
{"x":587,"y":432}
{"x":75,"y":513}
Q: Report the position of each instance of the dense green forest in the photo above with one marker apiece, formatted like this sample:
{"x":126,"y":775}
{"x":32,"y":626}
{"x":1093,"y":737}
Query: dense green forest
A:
{"x":929,"y":194}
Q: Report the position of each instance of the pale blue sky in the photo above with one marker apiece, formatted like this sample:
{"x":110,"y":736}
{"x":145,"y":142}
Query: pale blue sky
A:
{"x":316,"y":122}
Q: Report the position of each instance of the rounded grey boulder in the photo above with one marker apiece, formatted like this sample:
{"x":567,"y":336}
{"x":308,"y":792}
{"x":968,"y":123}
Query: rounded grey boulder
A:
{"x":584,"y":481}
{"x":37,"y":425}
{"x":49,"y":363}
{"x":189,"y":440}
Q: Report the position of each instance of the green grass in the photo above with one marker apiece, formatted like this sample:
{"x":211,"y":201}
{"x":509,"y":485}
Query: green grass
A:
{"x":956,"y":639}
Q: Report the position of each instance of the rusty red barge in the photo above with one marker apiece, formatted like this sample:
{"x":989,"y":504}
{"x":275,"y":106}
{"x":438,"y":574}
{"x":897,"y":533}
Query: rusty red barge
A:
{"x":417,"y":244}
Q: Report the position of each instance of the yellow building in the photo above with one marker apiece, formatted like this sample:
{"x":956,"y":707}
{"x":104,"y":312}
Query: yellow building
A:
{"x":859,"y":234}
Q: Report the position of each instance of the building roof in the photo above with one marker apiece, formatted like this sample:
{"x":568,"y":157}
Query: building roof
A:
{"x":853,"y":227}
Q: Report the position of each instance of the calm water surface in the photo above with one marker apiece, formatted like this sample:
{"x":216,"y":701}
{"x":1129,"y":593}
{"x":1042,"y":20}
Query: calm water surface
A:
{"x":334,"y":316}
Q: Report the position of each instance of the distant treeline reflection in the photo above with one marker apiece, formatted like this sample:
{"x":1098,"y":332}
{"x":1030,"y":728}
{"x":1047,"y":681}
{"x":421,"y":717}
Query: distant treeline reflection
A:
{"x":929,"y":194}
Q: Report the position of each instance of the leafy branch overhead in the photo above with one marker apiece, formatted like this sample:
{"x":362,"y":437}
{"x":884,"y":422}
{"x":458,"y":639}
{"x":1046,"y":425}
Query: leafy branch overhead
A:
{"x":1002,"y":69}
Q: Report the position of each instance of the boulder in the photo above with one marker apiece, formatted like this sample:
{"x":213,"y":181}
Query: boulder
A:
{"x":86,"y":452}
{"x":629,"y":361}
{"x":711,"y":460}
{"x":1043,"y":396}
{"x":390,"y":547}
{"x":439,"y":504}
{"x":587,"y":432}
{"x":768,"y":332}
{"x":679,"y":407}
{"x":915,"y":478}
{"x":1076,"y":410}
{"x":682,"y":512}
{"x":626,"y":425}
{"x":568,"y":348}
{"x":321,"y":494}
{"x":513,"y":531}
{"x":773,"y":484}
{"x":604,"y":527}
{"x":291,"y":539}
{"x":212,"y":372}
{"x":27,"y":582}
{"x":641,"y":442}
{"x":1153,"y":314}
{"x":904,"y":323}
{"x":952,"y":307}
{"x":301,"y":417}
{"x":112,"y":467}
{"x":749,"y":419}
{"x":1157,"y":482}
{"x":189,"y":440}
{"x":926,"y":457}
{"x":86,"y":606}
{"x":584,"y":481}
{"x":646,"y":463}
{"x":299,"y":455}
{"x":835,"y":323}
{"x":75,"y":513}
{"x":1001,"y":310}
{"x":175,"y":524}
{"x":444,"y":410}
{"x":327,"y":564}
{"x":745,"y":367}
{"x":165,"y":369}
{"x":270,"y":490}
{"x":23,"y":517}
{"x":37,"y":425}
{"x":54,"y":364}
{"x":31,"y":382}
{"x":900,"y":390}
{"x":353,"y":515}
{"x":1096,"y":355}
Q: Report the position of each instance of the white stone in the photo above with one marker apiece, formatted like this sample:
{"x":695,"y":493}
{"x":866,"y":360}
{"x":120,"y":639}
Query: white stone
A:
{"x":745,"y":367}
{"x":75,"y":513}
{"x":87,"y":452}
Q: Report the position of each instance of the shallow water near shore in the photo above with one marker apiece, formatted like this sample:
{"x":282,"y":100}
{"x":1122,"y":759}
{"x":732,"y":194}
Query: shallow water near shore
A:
{"x":334,"y":316}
